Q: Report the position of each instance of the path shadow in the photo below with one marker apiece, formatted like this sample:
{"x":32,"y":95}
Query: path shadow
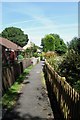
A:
{"x":26,"y":82}
{"x":14,"y":95}
{"x":16,"y":116}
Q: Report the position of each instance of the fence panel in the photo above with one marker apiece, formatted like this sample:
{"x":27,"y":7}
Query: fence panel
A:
{"x":68,"y":99}
{"x":11,"y":73}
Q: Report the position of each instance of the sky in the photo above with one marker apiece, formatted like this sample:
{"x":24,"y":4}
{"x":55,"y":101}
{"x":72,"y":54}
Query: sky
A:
{"x":40,"y":18}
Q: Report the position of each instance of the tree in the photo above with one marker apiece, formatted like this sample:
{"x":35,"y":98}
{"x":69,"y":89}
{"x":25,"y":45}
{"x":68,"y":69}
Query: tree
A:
{"x":15,"y":35}
{"x":48,"y":43}
{"x":53,"y":42}
{"x":60,"y":46}
{"x":70,"y":66}
{"x":74,"y":44}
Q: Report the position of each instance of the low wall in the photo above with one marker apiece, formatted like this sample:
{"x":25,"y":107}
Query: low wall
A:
{"x":26,"y":62}
{"x":35,"y":60}
{"x":11,"y":73}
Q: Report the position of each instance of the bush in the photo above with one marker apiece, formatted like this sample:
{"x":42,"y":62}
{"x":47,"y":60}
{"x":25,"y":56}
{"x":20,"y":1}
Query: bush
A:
{"x":41,"y":56}
{"x":20,"y":57}
{"x":50,"y":54}
{"x":35,"y":55}
{"x":70,"y":67}
{"x":75,"y":45}
{"x":55,"y":61}
{"x":77,"y":86}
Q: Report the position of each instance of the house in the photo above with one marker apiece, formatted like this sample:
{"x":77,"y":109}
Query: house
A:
{"x":9,"y":45}
{"x":29,"y":45}
{"x":8,"y":48}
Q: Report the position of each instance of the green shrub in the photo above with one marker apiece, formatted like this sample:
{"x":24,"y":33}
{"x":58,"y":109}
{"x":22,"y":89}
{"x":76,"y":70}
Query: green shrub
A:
{"x":77,"y":86}
{"x":20,"y":57}
{"x":55,"y":61}
{"x":70,"y":67}
{"x":36,"y":54}
{"x":50,"y":54}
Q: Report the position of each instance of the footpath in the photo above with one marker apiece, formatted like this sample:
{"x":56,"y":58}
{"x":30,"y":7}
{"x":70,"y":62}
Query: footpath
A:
{"x":33,"y":103}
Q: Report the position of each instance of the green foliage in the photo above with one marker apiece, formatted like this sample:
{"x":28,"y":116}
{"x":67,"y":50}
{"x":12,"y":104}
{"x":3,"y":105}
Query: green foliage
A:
{"x":75,"y":44}
{"x":77,"y":86}
{"x":20,"y":57}
{"x":48,"y":43}
{"x":41,"y":56}
{"x":28,"y":52}
{"x":53,"y":42}
{"x":55,"y":61}
{"x":34,"y":48}
{"x":70,"y":67}
{"x":32,"y":51}
{"x":16,"y":35}
{"x":35,"y":55}
{"x":50,"y":55}
{"x":60,"y":46}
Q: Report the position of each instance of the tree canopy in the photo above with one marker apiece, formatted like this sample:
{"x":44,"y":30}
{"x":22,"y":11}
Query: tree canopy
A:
{"x":15,"y":35}
{"x":75,"y":44}
{"x":70,"y":66}
{"x":48,"y":43}
{"x":53,"y":42}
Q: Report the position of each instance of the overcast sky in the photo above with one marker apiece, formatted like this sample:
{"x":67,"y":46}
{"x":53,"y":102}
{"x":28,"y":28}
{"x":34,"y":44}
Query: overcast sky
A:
{"x":39,"y":19}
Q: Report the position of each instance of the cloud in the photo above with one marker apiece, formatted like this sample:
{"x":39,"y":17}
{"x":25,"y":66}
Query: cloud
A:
{"x":66,"y":32}
{"x":44,"y":22}
{"x":39,"y":16}
{"x":16,"y":23}
{"x":40,"y":24}
{"x":63,"y":26}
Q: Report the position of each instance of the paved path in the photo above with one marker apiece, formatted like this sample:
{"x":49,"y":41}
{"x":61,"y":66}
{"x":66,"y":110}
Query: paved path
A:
{"x":33,"y":103}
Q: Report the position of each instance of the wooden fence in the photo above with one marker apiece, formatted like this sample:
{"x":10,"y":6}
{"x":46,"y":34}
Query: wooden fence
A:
{"x":11,"y":73}
{"x":68,"y":99}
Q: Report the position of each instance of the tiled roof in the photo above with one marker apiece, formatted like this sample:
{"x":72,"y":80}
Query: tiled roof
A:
{"x":8,"y":44}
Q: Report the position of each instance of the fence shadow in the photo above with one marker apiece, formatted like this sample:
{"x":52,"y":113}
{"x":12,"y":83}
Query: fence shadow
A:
{"x":54,"y":104}
{"x":13,"y":115}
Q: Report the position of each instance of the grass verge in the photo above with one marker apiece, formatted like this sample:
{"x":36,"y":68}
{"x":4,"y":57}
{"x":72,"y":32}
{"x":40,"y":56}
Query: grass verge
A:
{"x":12,"y":95}
{"x":43,"y":79}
